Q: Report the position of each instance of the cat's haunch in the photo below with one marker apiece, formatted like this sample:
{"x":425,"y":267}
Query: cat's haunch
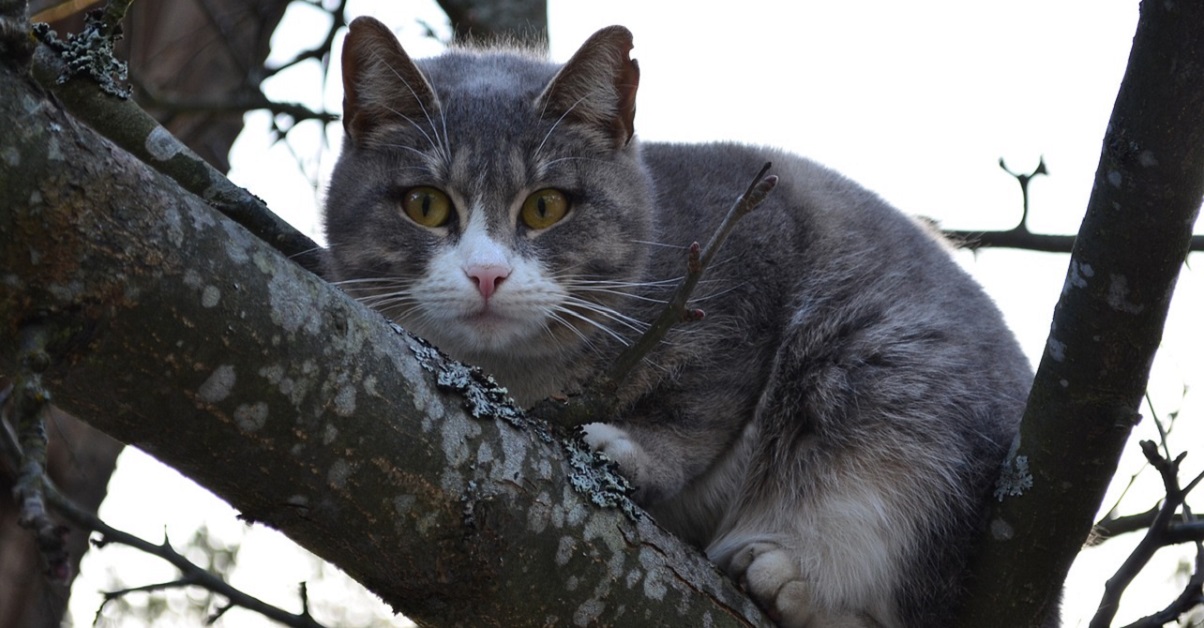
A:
{"x":829,"y":434}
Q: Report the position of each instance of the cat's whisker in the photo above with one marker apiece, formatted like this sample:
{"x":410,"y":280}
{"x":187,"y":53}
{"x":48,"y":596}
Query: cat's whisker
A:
{"x":558,"y":160}
{"x":620,"y":293}
{"x":680,"y":247}
{"x":585,"y":340}
{"x":554,"y":124}
{"x":435,"y":145}
{"x":439,"y":149}
{"x":633,"y":324}
{"x":607,"y":330}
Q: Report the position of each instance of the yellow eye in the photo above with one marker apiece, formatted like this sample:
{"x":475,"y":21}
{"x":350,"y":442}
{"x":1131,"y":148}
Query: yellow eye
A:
{"x":544,"y":208}
{"x":427,"y":206}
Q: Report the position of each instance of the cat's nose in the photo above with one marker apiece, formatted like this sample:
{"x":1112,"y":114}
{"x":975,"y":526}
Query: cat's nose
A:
{"x":487,"y":277}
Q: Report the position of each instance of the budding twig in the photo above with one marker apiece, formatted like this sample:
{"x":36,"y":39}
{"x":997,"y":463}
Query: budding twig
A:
{"x":675,"y":311}
{"x":596,"y":403}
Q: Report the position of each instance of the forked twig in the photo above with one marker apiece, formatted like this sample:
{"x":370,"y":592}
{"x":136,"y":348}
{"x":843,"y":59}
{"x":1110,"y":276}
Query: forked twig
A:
{"x":1153,"y":540}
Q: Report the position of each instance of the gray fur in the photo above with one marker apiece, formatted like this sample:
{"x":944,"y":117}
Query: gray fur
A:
{"x":828,"y":433}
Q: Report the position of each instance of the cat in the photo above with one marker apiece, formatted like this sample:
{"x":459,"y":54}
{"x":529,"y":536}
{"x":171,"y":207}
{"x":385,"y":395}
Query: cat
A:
{"x":830,"y":431}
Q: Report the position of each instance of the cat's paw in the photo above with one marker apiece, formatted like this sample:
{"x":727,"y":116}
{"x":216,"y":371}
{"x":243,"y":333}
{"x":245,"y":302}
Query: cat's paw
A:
{"x":771,"y":576}
{"x":617,"y":445}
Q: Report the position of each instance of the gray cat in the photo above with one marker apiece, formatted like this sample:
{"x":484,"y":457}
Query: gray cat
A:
{"x":828,"y":433}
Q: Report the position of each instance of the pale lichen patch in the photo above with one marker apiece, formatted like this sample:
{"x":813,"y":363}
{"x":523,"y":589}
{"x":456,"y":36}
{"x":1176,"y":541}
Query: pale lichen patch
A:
{"x":344,"y":401}
{"x":588,"y":613}
{"x":565,"y":549}
{"x":540,"y":513}
{"x":210,"y":296}
{"x":1078,"y":275}
{"x":192,"y":279}
{"x":654,"y":587}
{"x":1118,"y":296}
{"x":236,"y":243}
{"x":287,"y":311}
{"x":338,"y":473}
{"x":1057,"y":349}
{"x":1002,"y":530}
{"x":251,"y":417}
{"x":1115,"y":178}
{"x":329,"y":434}
{"x":403,"y":504}
{"x":162,"y":145}
{"x":219,"y":384}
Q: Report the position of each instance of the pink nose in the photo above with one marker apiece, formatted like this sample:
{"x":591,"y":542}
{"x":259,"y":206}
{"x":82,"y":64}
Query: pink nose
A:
{"x":487,"y":277}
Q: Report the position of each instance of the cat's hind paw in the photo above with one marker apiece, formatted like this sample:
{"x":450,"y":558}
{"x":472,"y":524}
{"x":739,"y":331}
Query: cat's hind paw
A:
{"x":771,"y":576}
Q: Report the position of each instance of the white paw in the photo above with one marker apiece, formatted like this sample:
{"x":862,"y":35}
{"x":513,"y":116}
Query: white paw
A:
{"x":771,"y":576}
{"x":617,"y":445}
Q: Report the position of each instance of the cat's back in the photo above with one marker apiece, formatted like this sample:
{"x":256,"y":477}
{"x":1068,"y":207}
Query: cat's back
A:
{"x":816,"y":229}
{"x":825,"y":254}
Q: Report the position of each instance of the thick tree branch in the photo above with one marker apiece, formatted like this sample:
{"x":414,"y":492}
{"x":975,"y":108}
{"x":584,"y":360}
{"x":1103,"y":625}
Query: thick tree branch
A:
{"x":125,"y":123}
{"x":178,"y":331}
{"x":1107,"y":324}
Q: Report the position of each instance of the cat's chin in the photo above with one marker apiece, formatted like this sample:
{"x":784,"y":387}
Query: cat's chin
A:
{"x":487,"y":336}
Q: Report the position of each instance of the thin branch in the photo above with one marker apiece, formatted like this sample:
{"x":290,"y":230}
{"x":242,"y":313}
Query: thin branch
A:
{"x":1175,"y":496}
{"x":1024,"y":179}
{"x":1179,"y":529}
{"x":1191,"y":597}
{"x":1020,"y":237}
{"x":675,"y":310}
{"x":127,"y":125}
{"x":191,"y":573}
{"x":597,"y":402}
{"x":249,"y":100}
{"x":321,"y":52}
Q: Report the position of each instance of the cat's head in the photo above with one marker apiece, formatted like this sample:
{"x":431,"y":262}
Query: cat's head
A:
{"x":490,"y":201}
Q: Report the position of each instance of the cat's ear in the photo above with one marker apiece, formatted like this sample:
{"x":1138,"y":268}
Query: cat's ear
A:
{"x":597,"y":86}
{"x":381,"y":84}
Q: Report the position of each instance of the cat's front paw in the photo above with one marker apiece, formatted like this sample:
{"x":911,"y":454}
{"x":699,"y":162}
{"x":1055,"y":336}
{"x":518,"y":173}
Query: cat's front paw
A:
{"x":617,"y":445}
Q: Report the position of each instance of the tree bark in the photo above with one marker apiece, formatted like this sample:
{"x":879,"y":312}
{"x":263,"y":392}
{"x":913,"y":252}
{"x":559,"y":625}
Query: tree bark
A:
{"x":1107,"y":324}
{"x":189,"y":52}
{"x":179,"y":332}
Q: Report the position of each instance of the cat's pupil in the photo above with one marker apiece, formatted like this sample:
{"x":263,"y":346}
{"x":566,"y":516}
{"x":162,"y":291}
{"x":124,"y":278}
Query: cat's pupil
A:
{"x":426,"y":205}
{"x":542,"y":206}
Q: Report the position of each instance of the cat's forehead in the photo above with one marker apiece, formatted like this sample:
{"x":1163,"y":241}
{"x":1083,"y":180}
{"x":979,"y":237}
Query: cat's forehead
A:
{"x":460,"y":73}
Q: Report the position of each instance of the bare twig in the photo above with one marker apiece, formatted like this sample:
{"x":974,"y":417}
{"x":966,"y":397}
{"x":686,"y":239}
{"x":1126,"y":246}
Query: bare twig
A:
{"x":250,"y":100}
{"x":191,"y":574}
{"x":321,"y":52}
{"x":1191,"y":597}
{"x":1154,"y":538}
{"x":1019,"y":237}
{"x":675,"y":310}
{"x":597,"y":402}
{"x":1179,"y":529}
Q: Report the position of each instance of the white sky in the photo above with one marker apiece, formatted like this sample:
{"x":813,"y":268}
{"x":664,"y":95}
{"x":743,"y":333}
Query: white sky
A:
{"x":916,"y":100}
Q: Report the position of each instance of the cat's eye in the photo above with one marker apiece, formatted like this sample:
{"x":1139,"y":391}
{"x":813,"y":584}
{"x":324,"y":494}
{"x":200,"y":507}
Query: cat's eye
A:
{"x":427,"y":206}
{"x":544,"y":208}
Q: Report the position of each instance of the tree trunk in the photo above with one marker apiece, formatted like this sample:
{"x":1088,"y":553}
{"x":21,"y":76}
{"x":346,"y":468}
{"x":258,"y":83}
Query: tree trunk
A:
{"x":179,"y":332}
{"x":1107,"y":325}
